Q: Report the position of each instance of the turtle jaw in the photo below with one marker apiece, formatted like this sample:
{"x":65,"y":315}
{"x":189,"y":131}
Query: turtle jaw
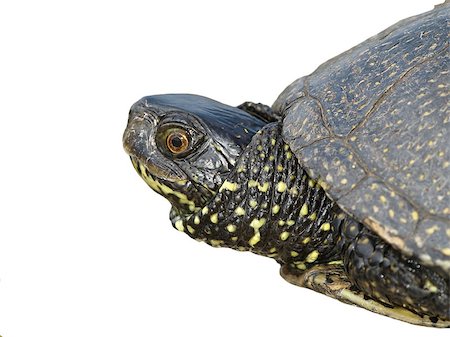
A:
{"x":176,"y":191}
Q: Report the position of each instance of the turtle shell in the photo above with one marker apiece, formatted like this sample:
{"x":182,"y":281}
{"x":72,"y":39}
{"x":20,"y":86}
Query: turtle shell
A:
{"x":372,"y":125}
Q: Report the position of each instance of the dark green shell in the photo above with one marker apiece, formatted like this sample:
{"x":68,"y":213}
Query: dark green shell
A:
{"x":372,"y":125}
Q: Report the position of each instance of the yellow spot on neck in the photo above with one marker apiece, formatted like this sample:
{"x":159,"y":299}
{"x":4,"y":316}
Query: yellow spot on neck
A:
{"x":256,"y":224}
{"x":253,"y":203}
{"x":275,"y":209}
{"x":311,"y":257}
{"x":231,"y":228}
{"x":312,"y":216}
{"x":190,"y":229}
{"x":306,"y":240}
{"x":311,"y":183}
{"x":216,"y":243}
{"x":205,"y":210}
{"x":214,"y":218}
{"x":254,"y":239}
{"x":239,"y":211}
{"x":290,"y":222}
{"x":196,"y":220}
{"x":264,"y":187}
{"x":167,"y":190}
{"x":229,"y":186}
{"x":179,"y":225}
{"x":325,"y":226}
{"x":281,"y":186}
{"x":294,"y":254}
{"x":284,"y":236}
{"x":252,"y":183}
{"x":304,"y":210}
{"x":279,"y":168}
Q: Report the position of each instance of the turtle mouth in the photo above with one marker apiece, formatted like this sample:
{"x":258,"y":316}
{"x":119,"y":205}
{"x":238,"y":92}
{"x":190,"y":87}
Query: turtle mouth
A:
{"x":180,"y":192}
{"x":148,"y":171}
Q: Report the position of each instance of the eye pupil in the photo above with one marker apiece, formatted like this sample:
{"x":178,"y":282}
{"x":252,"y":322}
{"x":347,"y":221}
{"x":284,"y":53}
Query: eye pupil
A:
{"x":176,"y":142}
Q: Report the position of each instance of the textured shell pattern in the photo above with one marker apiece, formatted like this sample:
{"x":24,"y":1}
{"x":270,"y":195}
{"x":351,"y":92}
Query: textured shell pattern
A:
{"x":372,"y":125}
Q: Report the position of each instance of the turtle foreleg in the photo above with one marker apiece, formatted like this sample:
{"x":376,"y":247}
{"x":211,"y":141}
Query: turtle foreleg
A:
{"x":331,"y":280}
{"x":261,"y":111}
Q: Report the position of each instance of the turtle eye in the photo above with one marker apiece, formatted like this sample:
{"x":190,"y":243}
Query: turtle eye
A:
{"x":177,"y":141}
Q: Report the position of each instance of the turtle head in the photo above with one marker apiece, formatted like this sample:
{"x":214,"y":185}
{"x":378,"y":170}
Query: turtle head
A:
{"x":184,"y":146}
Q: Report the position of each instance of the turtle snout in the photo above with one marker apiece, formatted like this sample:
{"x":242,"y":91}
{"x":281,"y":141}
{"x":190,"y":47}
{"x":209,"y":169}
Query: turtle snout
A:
{"x":136,"y":138}
{"x":139,"y":133}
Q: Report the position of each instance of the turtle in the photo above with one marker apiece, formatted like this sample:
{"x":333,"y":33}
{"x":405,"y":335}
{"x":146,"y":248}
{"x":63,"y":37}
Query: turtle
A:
{"x":344,"y":180}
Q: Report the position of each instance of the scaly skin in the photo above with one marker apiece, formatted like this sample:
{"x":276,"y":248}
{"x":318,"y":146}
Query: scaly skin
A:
{"x":269,"y":206}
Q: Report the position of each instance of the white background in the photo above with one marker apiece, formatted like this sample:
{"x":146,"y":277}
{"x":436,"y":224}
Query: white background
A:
{"x":86,"y":248}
